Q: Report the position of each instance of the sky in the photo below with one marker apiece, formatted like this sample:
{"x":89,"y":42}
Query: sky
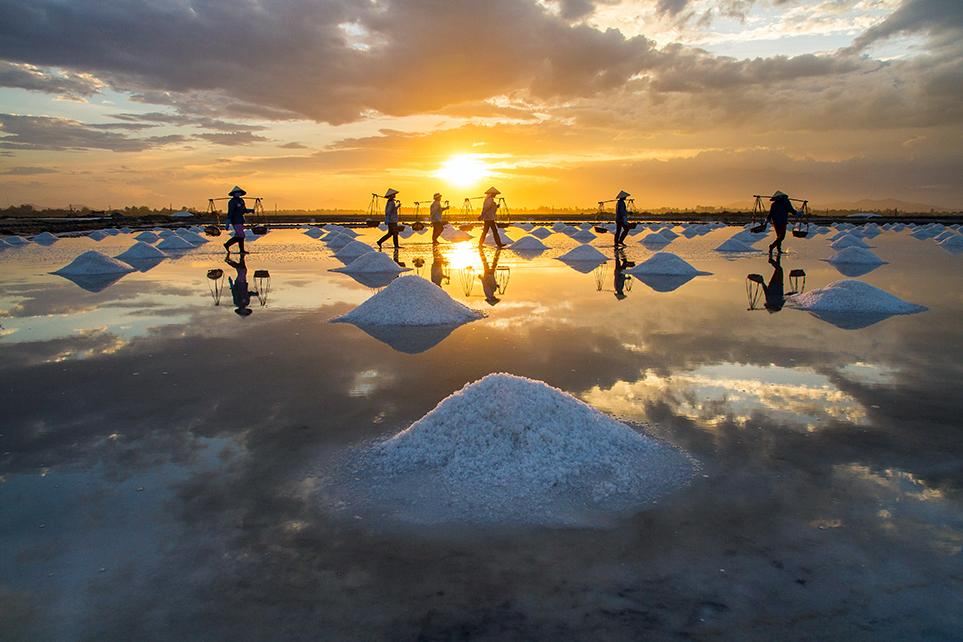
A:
{"x":559,"y":103}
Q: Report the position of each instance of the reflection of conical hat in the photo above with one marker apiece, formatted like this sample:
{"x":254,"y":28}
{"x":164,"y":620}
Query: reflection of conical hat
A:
{"x":237,"y":190}
{"x":778,"y":194}
{"x":623,"y":194}
{"x":491,"y":191}
{"x":391,"y":192}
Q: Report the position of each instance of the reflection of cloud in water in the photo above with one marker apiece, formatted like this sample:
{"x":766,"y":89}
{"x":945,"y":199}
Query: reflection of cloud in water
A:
{"x":869,"y":373}
{"x":713,"y":394}
{"x":144,"y":265}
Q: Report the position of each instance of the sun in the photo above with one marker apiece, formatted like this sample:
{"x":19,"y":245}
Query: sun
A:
{"x":463,"y":170}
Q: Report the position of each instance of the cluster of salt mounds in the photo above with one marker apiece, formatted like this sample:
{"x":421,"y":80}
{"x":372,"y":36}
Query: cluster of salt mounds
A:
{"x":509,"y":450}
{"x":851,"y":304}
{"x":410,"y":301}
{"x":15,"y":240}
{"x":372,"y":263}
{"x":665,"y":264}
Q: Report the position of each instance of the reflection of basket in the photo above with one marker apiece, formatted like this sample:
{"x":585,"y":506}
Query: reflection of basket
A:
{"x":212,"y":230}
{"x":259,"y":230}
{"x":468,"y":227}
{"x":759,"y":228}
{"x":417,"y":226}
{"x":215,"y":274}
{"x":600,"y":229}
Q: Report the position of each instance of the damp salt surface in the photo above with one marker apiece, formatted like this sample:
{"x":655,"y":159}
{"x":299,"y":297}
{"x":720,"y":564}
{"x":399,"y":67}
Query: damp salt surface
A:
{"x":411,"y":301}
{"x":515,"y":451}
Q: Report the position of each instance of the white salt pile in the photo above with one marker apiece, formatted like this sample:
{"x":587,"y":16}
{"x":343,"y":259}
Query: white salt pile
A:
{"x":542,"y":232}
{"x":15,"y":240}
{"x":529,"y":244}
{"x":735,"y":245}
{"x":336,"y":241}
{"x":665,"y":264}
{"x":97,"y":235}
{"x":175,"y":242}
{"x":654,"y":239}
{"x":953,"y":244}
{"x":93,"y":263}
{"x":3,"y":244}
{"x":669,"y":234}
{"x":194,"y":239}
{"x":410,"y":301}
{"x":583,"y":236}
{"x":527,"y":227}
{"x":855,"y":256}
{"x":141,"y":251}
{"x":45,"y":238}
{"x":942,"y":236}
{"x":510,"y":450}
{"x":372,"y":263}
{"x":583,"y":254}
{"x":848,"y":241}
{"x":352,"y":250}
{"x":454,"y":235}
{"x":851,"y":296}
{"x":406,"y":232}
{"x":313,"y":232}
{"x":147,"y":237}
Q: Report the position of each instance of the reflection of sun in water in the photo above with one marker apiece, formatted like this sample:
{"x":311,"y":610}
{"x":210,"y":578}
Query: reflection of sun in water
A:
{"x":463,"y":255}
{"x":463,"y":170}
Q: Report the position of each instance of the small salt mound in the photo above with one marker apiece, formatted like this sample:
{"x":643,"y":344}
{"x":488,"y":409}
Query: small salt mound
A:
{"x":383,"y":227}
{"x":140,"y":251}
{"x":505,"y":238}
{"x":583,"y":254}
{"x":852,"y":296}
{"x":848,"y":241}
{"x":313,"y":232}
{"x":528,"y":244}
{"x":584,"y":226}
{"x":3,"y":244}
{"x":15,"y":240}
{"x":175,"y":242}
{"x":454,"y":235}
{"x":665,"y":264}
{"x":372,"y":263}
{"x":194,"y":239}
{"x":112,"y":231}
{"x":345,"y":230}
{"x":856,"y":256}
{"x":953,"y":244}
{"x":925,"y":233}
{"x":147,"y":237}
{"x":654,"y":239}
{"x":410,"y":301}
{"x":583,"y":236}
{"x":97,"y":235}
{"x":559,"y":227}
{"x":339,"y":241}
{"x":735,"y":245}
{"x":669,"y":234}
{"x":352,"y":250}
{"x":942,"y":236}
{"x":567,"y":230}
{"x":93,"y":263}
{"x":542,"y":232}
{"x":527,"y":227}
{"x":406,"y":232}
{"x":511,"y":450}
{"x":45,"y":238}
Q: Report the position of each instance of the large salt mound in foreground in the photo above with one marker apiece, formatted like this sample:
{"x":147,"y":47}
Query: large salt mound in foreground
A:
{"x":511,"y":450}
{"x":93,"y":263}
{"x":372,"y":263}
{"x":852,"y":297}
{"x":410,"y":301}
{"x":665,"y":264}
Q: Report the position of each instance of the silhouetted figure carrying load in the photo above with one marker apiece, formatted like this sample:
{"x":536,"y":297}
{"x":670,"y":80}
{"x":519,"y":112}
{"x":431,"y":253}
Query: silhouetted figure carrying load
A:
{"x":236,"y":209}
{"x":437,"y":224}
{"x":392,"y":205}
{"x":489,"y":210}
{"x":621,"y":219}
{"x":779,"y":213}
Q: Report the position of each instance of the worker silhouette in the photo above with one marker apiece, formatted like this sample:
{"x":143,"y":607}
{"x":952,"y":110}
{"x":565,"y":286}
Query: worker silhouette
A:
{"x":775,"y":290}
{"x":779,"y":213}
{"x":239,"y":287}
{"x":621,"y":263}
{"x":621,"y":219}
{"x":437,"y":221}
{"x":489,"y":282}
{"x":236,"y":209}
{"x":392,"y":205}
{"x":438,"y":264}
{"x":489,"y":210}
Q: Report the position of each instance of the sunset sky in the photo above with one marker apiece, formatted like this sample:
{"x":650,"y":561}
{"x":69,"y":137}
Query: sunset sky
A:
{"x":317,"y":103}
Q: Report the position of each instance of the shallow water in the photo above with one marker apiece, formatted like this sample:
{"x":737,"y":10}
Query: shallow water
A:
{"x":161,"y":457}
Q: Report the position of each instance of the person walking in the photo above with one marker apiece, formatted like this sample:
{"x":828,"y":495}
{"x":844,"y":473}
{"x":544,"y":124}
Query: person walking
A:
{"x":392,"y":205}
{"x":779,"y":213}
{"x":236,"y":209}
{"x":489,"y":210}
{"x":437,"y":224}
{"x":621,"y":219}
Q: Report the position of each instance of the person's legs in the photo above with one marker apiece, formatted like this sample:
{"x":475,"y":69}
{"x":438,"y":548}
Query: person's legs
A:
{"x":231,"y":241}
{"x":498,"y":239}
{"x":385,"y":237}
{"x":394,"y":234}
{"x":436,"y":229}
{"x":481,"y":241}
{"x":780,"y":235}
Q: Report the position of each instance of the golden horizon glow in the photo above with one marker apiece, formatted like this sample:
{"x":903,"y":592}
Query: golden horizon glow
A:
{"x":463,"y":170}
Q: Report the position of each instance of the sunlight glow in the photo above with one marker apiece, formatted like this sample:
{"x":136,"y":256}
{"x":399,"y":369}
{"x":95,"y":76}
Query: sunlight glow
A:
{"x":463,"y":170}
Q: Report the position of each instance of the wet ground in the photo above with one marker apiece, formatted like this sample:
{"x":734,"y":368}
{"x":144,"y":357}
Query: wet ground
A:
{"x":160,"y":454}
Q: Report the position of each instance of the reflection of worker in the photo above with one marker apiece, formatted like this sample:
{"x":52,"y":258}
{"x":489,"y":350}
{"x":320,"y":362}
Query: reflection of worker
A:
{"x":236,"y":209}
{"x":392,"y":205}
{"x":775,"y":291}
{"x":620,"y":277}
{"x":239,"y":287}
{"x":489,"y":282}
{"x":437,"y":225}
{"x":779,"y":215}
{"x":438,"y":264}
{"x":621,"y":219}
{"x":489,"y":210}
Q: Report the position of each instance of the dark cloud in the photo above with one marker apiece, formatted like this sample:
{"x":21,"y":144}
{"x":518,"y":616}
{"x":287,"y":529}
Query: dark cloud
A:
{"x":19,"y":132}
{"x":941,"y":19}
{"x":179,"y":119}
{"x":232,"y":138}
{"x":293,"y":145}
{"x":27,"y":171}
{"x":24,"y":76}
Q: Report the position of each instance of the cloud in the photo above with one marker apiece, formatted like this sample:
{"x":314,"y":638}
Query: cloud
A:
{"x":19,"y":132}
{"x":232,"y":138}
{"x":154,"y":119}
{"x":293,"y":145}
{"x":941,"y":19}
{"x":27,"y":171}
{"x":30,"y":77}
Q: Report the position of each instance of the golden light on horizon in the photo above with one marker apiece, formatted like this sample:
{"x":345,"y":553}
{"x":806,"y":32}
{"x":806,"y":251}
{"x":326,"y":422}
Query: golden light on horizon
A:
{"x":463,"y":170}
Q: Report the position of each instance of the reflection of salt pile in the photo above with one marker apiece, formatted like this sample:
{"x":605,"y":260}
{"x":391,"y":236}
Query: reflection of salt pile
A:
{"x":372,"y":263}
{"x":852,"y":298}
{"x":508,"y":449}
{"x":411,"y":301}
{"x":141,"y":251}
{"x":735,"y":245}
{"x":93,"y":263}
{"x":665,"y":264}
{"x":856,"y":256}
{"x":529,"y":244}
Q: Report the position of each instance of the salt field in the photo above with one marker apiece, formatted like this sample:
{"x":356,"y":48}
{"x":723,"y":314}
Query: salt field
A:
{"x":683,"y":440}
